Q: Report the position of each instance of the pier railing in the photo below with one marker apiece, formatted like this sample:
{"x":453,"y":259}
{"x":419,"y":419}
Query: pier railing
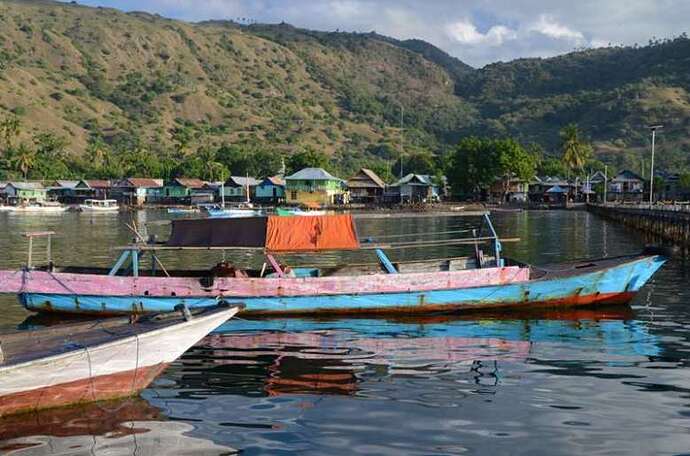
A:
{"x":670,"y":222}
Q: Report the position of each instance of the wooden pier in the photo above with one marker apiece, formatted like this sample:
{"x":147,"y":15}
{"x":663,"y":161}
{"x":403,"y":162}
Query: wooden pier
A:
{"x":671,"y":223}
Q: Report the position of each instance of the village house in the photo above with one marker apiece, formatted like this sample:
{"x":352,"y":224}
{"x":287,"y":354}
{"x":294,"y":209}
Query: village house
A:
{"x":183,"y":191}
{"x":366,"y":187}
{"x":414,"y":188}
{"x":92,"y":189}
{"x":62,"y":190}
{"x":136,"y":190}
{"x":551,"y":190}
{"x":271,"y":190}
{"x":626,"y":186}
{"x":509,"y":189}
{"x":315,"y":187}
{"x":25,"y":192}
{"x":240,"y":189}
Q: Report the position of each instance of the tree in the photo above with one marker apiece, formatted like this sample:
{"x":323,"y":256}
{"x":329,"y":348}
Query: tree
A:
{"x":307,"y":158}
{"x":417,"y":163}
{"x":552,"y":167}
{"x":476,"y":163}
{"x":23,"y":159}
{"x":684,"y":180}
{"x":576,"y":152}
{"x":212,"y":169}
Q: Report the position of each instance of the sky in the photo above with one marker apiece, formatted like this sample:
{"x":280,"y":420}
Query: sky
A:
{"x":478,"y":32}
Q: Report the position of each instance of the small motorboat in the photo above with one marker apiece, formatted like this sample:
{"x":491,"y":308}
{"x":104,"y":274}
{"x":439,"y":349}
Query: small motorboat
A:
{"x":96,"y":205}
{"x":45,"y":207}
{"x":96,"y":360}
{"x":182,"y":210}
{"x":296,"y":211}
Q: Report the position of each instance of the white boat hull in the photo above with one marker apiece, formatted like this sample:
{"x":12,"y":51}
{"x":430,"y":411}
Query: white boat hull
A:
{"x":106,"y":371}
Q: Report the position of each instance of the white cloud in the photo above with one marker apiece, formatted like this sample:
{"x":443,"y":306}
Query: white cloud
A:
{"x":476,"y":31}
{"x":465,"y":32}
{"x":549,"y":26}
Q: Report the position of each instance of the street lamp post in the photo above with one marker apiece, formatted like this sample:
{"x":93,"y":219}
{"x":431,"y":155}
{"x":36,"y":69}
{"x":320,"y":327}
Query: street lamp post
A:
{"x":402,"y":124}
{"x":654,"y":128}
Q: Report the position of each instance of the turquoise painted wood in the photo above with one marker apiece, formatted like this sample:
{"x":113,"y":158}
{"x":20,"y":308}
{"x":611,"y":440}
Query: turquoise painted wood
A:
{"x":615,"y":284}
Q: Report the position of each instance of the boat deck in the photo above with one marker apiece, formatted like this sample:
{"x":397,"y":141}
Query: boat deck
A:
{"x":24,"y":346}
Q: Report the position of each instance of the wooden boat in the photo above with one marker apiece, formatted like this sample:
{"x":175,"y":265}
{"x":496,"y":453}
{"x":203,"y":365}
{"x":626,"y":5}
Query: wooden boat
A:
{"x":420,"y":287}
{"x":46,"y":207}
{"x":99,"y":206}
{"x":94,"y":361}
{"x":296,"y":211}
{"x":182,"y":210}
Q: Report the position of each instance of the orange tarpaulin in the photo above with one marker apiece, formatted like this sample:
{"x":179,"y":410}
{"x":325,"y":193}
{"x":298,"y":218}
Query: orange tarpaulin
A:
{"x":317,"y":232}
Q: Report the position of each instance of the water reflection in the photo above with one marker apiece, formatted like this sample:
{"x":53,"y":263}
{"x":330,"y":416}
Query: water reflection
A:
{"x":126,"y":427}
{"x":300,"y":356}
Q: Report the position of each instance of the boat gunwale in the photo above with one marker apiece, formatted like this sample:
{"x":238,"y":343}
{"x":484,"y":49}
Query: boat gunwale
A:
{"x":170,"y":322}
{"x":546,"y":276}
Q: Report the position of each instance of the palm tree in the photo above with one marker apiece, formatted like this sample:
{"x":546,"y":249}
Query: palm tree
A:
{"x":212,"y":168}
{"x":576,"y":152}
{"x":23,"y":159}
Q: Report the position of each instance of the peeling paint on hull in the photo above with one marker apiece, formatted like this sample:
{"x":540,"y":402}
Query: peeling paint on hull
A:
{"x":613,"y":285}
{"x":99,"y":388}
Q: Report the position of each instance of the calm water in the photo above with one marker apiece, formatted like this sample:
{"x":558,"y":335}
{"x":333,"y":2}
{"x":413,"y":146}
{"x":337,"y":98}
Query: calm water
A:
{"x":612,"y":381}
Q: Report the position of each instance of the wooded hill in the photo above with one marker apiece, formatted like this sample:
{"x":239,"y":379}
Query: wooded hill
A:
{"x":132,"y":78}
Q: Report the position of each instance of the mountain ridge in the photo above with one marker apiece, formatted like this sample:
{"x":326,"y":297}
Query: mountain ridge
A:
{"x":135,"y":77}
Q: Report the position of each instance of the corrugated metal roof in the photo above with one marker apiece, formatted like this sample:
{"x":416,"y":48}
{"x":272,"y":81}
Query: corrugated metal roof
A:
{"x":366,"y":178}
{"x":98,"y":183}
{"x":557,"y":189}
{"x":240,"y":181}
{"x":312,"y":174}
{"x":27,"y":185}
{"x":190,"y":183}
{"x":66,"y":183}
{"x":142,"y":182}
{"x":274,"y":180}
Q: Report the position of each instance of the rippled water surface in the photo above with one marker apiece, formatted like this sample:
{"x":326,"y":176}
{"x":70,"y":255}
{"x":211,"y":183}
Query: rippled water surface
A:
{"x":604,"y":381}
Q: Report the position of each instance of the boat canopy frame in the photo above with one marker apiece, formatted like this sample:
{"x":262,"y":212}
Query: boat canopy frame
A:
{"x":134,"y":252}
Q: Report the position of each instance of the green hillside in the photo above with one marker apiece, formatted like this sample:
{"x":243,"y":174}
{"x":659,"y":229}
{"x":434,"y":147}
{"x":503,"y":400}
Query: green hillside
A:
{"x":101,"y":78}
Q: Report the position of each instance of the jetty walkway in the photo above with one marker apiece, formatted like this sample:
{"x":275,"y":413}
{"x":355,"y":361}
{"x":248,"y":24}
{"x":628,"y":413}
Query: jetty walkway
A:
{"x":668,"y":222}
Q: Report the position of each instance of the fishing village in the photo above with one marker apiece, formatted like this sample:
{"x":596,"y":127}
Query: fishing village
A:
{"x":221,"y":233}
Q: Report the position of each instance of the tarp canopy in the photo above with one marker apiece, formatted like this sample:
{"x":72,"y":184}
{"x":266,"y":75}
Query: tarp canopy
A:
{"x":314,"y":232}
{"x":219,"y":232}
{"x":274,"y":233}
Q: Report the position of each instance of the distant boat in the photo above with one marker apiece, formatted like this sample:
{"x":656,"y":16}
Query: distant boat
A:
{"x":96,"y":205}
{"x":232,"y":213}
{"x":46,"y":207}
{"x":292,"y":211}
{"x":94,"y":361}
{"x":183,"y":210}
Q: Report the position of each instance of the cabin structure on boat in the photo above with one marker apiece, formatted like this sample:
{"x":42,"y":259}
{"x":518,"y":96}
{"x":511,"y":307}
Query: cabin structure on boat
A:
{"x":271,"y":190}
{"x":240,"y":189}
{"x":315,"y":187}
{"x":366,"y":187}
{"x":626,"y":186}
{"x":25,"y":192}
{"x":136,"y":190}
